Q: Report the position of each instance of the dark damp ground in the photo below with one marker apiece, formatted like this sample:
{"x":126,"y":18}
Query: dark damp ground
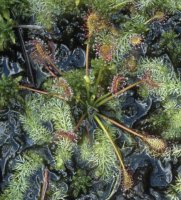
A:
{"x":152,"y":176}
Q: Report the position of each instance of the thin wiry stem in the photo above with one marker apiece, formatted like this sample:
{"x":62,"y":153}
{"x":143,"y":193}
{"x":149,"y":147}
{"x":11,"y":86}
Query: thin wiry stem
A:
{"x":33,"y":90}
{"x":41,"y":92}
{"x":127,"y":179}
{"x":87,"y":58}
{"x":122,"y":126}
{"x":31,"y":27}
{"x":118,"y":154}
{"x":80,"y":122}
{"x":55,"y":67}
{"x":158,"y":16}
{"x":118,"y":93}
{"x":120,"y":5}
{"x":156,"y":144}
{"x":48,"y":69}
{"x":25,"y":54}
{"x":45,"y":184}
{"x":87,"y":80}
{"x":97,"y":81}
{"x":102,"y":97}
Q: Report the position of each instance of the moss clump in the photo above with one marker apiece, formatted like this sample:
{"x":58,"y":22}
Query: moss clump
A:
{"x":29,"y":163}
{"x":162,"y":75}
{"x":51,"y":9}
{"x":101,"y":155}
{"x":63,"y":153}
{"x":174,"y":191}
{"x":9,"y":88}
{"x":80,"y":182}
{"x":41,"y":113}
{"x":32,"y":121}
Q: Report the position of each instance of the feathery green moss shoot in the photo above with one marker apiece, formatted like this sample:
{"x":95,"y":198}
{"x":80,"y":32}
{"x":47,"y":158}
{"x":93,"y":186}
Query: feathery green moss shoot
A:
{"x":163,"y":75}
{"x":168,"y":121}
{"x":33,"y":122}
{"x":41,"y":111}
{"x":29,"y":163}
{"x":63,"y":153}
{"x":174,"y":191}
{"x":105,"y":158}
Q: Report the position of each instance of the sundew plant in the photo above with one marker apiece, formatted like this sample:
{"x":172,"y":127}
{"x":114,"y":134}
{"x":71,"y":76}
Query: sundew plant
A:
{"x":74,"y":120}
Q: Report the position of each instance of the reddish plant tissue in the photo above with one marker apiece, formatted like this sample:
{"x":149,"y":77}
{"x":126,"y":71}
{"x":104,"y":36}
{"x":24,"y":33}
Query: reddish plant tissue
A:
{"x":65,"y":135}
{"x":105,"y":52}
{"x":117,"y":83}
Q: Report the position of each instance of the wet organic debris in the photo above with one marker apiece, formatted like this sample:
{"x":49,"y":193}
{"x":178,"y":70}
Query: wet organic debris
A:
{"x":70,"y":129}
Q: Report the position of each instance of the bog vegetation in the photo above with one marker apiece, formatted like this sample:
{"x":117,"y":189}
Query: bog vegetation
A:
{"x":77,"y":113}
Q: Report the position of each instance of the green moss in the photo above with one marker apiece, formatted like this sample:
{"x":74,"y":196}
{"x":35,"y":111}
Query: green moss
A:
{"x":86,"y":152}
{"x":40,"y":110}
{"x":7,"y":23}
{"x":76,"y":80}
{"x":173,"y":152}
{"x":106,"y":8}
{"x":150,"y":6}
{"x":63,"y":153}
{"x":174,"y":129}
{"x":24,"y":169}
{"x":9,"y":90}
{"x":136,"y":24}
{"x":33,"y":122}
{"x":171,"y":43}
{"x":104,"y":156}
{"x":166,"y":121}
{"x":57,"y":191}
{"x":6,"y":28}
{"x":100,"y":156}
{"x":46,"y":11}
{"x":161,"y":74}
{"x":80,"y":183}
{"x":174,"y":191}
{"x":59,"y":113}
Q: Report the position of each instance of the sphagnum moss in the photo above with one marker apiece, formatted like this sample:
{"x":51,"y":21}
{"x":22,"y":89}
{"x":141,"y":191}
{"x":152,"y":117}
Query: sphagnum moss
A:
{"x":29,"y":163}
